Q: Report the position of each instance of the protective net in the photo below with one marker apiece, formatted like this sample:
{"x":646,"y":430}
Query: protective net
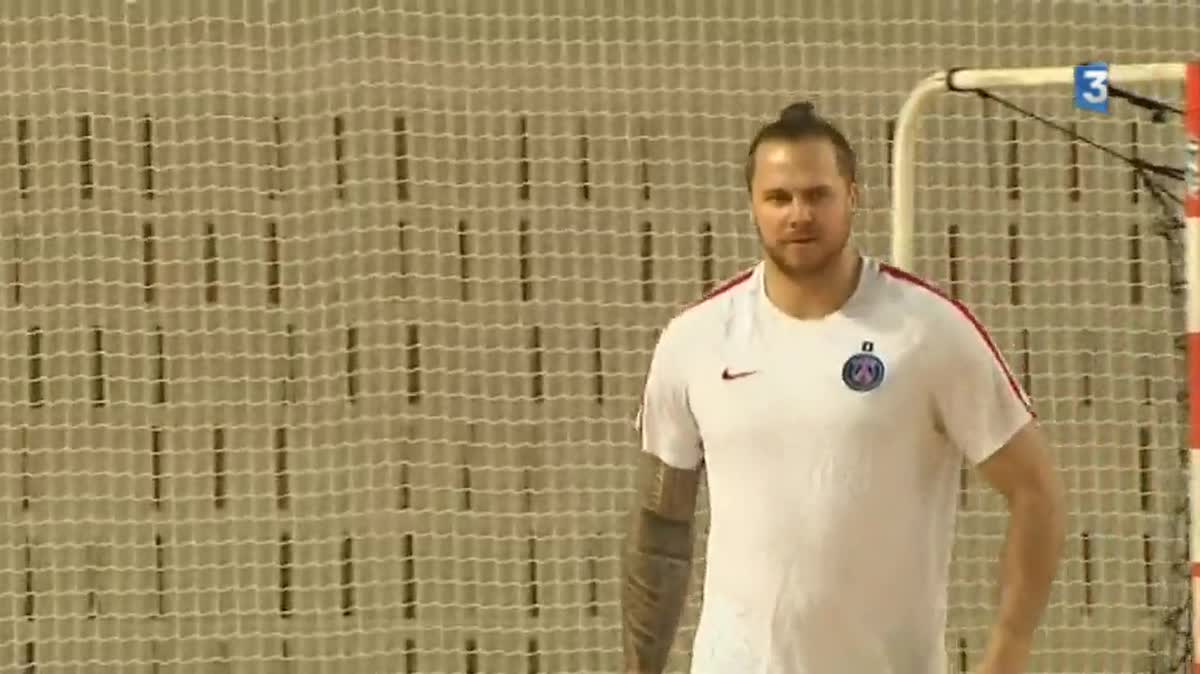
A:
{"x":324,"y":321}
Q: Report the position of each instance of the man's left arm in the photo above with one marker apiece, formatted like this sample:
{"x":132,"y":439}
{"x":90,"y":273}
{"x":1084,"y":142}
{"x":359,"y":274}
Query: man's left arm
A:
{"x":985,"y":413}
{"x":1023,"y":472}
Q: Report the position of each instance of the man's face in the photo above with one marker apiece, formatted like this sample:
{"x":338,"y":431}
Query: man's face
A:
{"x":802,"y":205}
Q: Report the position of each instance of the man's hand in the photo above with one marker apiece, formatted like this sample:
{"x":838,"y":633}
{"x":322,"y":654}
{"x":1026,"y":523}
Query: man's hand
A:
{"x":658,"y":564}
{"x":1006,"y":654}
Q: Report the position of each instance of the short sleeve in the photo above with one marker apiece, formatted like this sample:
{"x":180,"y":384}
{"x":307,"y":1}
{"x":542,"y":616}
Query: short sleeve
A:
{"x":980,"y":404}
{"x":664,"y":419}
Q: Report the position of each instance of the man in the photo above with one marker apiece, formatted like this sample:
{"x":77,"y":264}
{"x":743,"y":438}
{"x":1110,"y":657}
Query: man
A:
{"x":831,"y":401}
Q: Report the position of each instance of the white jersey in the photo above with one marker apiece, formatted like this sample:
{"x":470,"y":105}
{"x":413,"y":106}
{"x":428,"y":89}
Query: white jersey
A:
{"x":832,"y":450}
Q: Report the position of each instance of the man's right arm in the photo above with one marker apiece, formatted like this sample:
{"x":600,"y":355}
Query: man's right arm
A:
{"x":657,"y":563}
{"x":658,"y":551}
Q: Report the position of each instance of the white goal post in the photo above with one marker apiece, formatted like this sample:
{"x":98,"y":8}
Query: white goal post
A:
{"x":908,"y":124}
{"x":905,"y":225}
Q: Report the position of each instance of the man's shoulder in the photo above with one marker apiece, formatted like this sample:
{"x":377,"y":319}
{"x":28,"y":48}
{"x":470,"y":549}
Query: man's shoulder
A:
{"x":947,"y":325}
{"x":707,"y":315}
{"x":924,"y":300}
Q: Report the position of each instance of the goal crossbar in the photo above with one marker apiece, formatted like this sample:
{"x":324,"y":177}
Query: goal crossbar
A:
{"x":903,"y":220}
{"x":908,"y":125}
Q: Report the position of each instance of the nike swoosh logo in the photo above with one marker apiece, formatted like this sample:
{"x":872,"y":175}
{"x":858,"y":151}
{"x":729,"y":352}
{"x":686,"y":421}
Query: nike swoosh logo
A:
{"x":727,"y":375}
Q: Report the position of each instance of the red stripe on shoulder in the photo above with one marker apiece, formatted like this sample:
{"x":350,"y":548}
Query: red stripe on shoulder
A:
{"x":898,"y":273}
{"x":721,"y":289}
{"x":966,"y":313}
{"x":725,"y":287}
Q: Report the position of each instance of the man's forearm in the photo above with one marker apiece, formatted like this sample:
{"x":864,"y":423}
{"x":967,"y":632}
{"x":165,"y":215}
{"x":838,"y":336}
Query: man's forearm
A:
{"x":657,"y":565}
{"x":1032,"y":550}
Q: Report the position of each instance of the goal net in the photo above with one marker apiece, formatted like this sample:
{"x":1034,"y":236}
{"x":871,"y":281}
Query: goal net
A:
{"x":1066,"y":229}
{"x":324,"y":321}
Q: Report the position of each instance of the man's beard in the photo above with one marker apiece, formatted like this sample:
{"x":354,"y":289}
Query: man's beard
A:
{"x":815,"y":264}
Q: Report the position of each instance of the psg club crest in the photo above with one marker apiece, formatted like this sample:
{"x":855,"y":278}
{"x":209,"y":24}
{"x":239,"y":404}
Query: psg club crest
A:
{"x":864,"y":370}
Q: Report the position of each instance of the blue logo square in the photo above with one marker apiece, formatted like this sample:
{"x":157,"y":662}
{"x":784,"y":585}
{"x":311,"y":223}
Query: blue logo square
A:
{"x":1091,"y":87}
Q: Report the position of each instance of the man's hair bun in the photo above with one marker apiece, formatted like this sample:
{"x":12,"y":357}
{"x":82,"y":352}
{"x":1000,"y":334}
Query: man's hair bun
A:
{"x":796,"y":112}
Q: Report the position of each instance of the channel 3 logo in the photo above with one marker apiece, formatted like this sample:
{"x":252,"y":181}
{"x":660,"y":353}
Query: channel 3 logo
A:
{"x":1091,"y":87}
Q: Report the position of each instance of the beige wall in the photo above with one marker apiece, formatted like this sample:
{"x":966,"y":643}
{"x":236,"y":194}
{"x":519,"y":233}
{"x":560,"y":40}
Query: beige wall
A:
{"x":249,"y":380}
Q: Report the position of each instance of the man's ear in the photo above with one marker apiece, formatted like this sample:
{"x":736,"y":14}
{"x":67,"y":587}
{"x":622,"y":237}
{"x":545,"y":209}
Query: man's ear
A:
{"x":855,"y":195}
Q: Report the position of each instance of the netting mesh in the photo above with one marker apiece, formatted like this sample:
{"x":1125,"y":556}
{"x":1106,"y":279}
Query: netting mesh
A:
{"x":324,"y":321}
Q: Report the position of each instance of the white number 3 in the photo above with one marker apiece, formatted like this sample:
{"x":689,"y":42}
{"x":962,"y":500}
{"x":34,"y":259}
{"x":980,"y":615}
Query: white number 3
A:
{"x":1097,"y":89}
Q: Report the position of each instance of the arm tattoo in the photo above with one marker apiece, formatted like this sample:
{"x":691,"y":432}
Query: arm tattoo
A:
{"x":658,"y":564}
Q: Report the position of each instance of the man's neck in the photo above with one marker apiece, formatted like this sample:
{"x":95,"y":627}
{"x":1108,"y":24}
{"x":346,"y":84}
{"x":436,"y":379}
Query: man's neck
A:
{"x":818,"y":296}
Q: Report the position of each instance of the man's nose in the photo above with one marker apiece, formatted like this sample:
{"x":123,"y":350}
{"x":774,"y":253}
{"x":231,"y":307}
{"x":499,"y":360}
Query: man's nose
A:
{"x":799,"y":213}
